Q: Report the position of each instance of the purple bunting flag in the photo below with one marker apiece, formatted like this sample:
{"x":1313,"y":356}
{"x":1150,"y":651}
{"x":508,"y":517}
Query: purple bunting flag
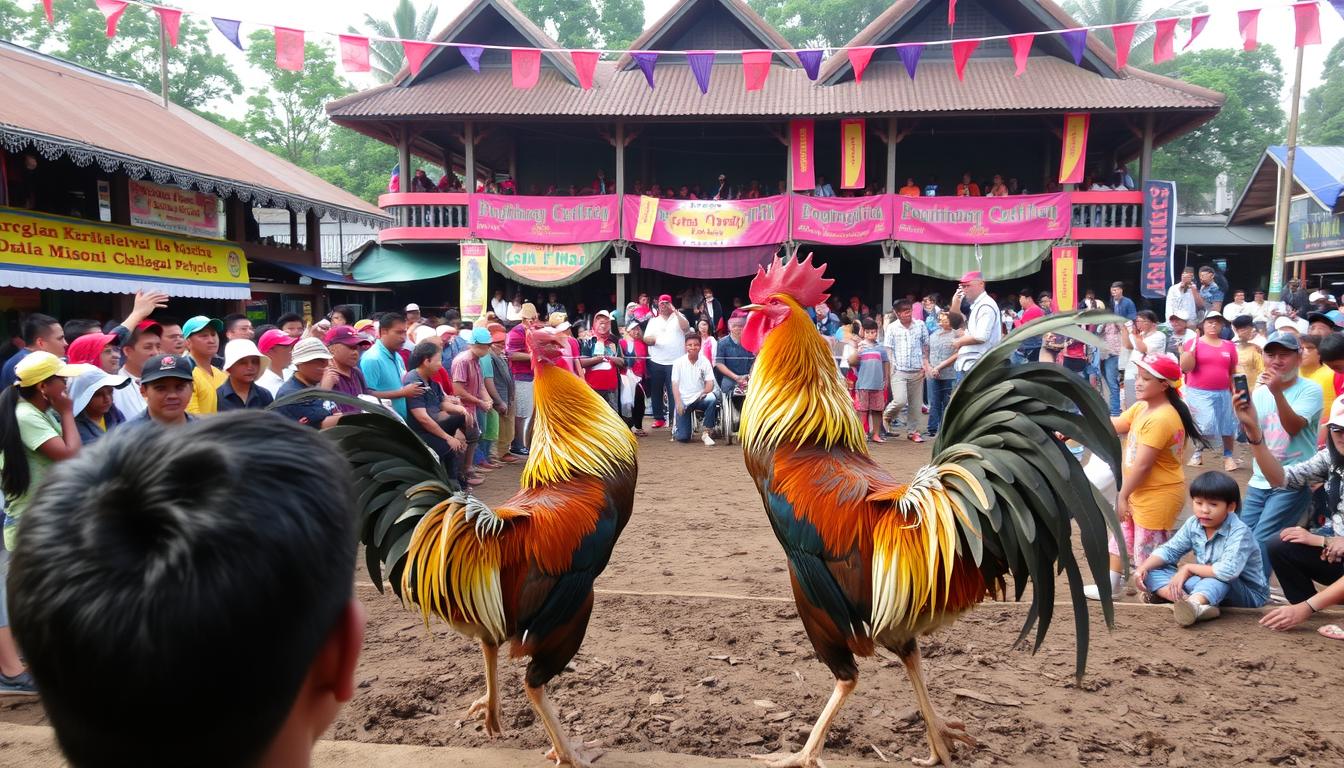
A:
{"x":472,"y":53}
{"x":910,"y":57}
{"x":646,"y":60}
{"x":812,"y":61}
{"x":701,"y":62}
{"x":1077,"y":41}
{"x":229,"y":29}
{"x":1339,"y":6}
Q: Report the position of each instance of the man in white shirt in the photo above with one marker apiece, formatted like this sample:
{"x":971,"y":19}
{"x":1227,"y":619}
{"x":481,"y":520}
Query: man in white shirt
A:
{"x":500,"y":306}
{"x":666,"y":337}
{"x":983,"y":330}
{"x":277,"y":346}
{"x":1237,"y":307}
{"x":693,"y":390}
{"x":1184,"y":295}
{"x":144,"y":343}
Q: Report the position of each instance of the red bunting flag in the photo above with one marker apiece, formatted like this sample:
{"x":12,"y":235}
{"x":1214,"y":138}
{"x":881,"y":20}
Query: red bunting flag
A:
{"x":416,"y":53}
{"x":171,"y":20}
{"x":46,"y":6}
{"x":1197,"y":25}
{"x":354,"y":53}
{"x":961,"y":53}
{"x":112,"y":10}
{"x":289,"y":49}
{"x":585,"y":63}
{"x":951,"y":12}
{"x":1248,"y":22}
{"x":1308,"y":20}
{"x":858,"y":59}
{"x":1164,"y":46}
{"x":755,"y":68}
{"x":1021,"y":45}
{"x":526,"y":67}
{"x":1123,"y":35}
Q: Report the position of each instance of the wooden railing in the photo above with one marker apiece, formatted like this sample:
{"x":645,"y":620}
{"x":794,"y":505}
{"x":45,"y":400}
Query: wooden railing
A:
{"x":1107,"y":215}
{"x":424,"y":216}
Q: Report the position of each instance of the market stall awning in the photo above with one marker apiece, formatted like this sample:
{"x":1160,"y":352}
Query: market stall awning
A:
{"x":316,"y":274}
{"x":1005,"y":261}
{"x":546,"y":266}
{"x":376,"y":263}
{"x":705,"y":263}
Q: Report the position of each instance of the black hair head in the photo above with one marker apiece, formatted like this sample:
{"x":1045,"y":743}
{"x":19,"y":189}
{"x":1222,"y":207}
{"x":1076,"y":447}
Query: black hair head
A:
{"x":289,"y":317}
{"x":1216,"y":486}
{"x":425,"y":350}
{"x":35,"y":326}
{"x":1332,"y":348}
{"x":869,"y":324}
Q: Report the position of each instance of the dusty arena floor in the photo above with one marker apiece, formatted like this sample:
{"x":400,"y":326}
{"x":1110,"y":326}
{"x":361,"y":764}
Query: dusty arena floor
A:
{"x":695,"y":648}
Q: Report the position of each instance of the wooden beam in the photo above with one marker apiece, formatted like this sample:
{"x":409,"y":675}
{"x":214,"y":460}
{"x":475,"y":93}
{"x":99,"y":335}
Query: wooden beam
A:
{"x":1146,"y":157}
{"x":469,"y":149}
{"x":891,"y":155}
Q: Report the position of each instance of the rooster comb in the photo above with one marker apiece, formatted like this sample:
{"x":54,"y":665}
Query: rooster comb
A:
{"x":799,"y":280}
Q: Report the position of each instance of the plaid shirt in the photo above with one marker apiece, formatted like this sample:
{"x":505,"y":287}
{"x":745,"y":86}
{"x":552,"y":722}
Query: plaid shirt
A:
{"x":907,"y":345}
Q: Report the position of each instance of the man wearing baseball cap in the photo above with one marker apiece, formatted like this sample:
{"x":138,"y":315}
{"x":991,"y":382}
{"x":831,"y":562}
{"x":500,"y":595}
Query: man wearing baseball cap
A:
{"x":983,"y":330}
{"x":202,"y":335}
{"x":665,"y":336}
{"x":278,"y":347}
{"x":412,"y":313}
{"x":520,"y":365}
{"x":469,"y":386}
{"x":144,"y":343}
{"x":167,"y":385}
{"x":345,"y":345}
{"x":310,"y":360}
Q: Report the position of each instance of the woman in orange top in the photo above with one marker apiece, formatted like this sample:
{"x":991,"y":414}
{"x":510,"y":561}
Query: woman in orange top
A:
{"x":967,"y":188}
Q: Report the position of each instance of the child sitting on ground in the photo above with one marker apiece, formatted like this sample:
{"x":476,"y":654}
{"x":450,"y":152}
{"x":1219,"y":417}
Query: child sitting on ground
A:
{"x":1227,"y":569}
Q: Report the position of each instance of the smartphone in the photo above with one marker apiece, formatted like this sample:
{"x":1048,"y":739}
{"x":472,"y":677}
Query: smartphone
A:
{"x":1239,"y":386}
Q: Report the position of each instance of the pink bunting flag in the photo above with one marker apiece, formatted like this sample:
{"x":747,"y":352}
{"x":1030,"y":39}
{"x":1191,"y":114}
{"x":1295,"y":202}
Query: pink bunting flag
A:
{"x":858,"y":59}
{"x":171,"y":20}
{"x":112,"y":10}
{"x":1248,"y":22}
{"x":354,"y":53}
{"x":1021,"y":45}
{"x":1123,"y":35}
{"x":951,"y":12}
{"x":1164,"y":45}
{"x":585,"y":63}
{"x":1197,"y":25}
{"x":1307,"y":18}
{"x":416,"y":53}
{"x":46,"y":6}
{"x":526,"y":67}
{"x":289,"y":49}
{"x":961,"y":53}
{"x":755,"y":68}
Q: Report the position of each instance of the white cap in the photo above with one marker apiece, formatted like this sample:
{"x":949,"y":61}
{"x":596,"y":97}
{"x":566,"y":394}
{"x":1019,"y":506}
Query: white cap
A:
{"x":445,"y":329}
{"x":424,"y":333}
{"x":241,"y":348}
{"x":89,"y":380}
{"x":1301,"y":325}
{"x":563,"y":326}
{"x":1232,"y":313}
{"x":1284,"y":321}
{"x":412,"y":307}
{"x":1181,"y":314}
{"x":309,"y":349}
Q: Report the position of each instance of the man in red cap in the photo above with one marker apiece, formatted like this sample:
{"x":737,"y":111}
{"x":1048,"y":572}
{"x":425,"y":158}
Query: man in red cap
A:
{"x":982,"y":323}
{"x":665,"y":336}
{"x":278,"y":347}
{"x":144,"y":343}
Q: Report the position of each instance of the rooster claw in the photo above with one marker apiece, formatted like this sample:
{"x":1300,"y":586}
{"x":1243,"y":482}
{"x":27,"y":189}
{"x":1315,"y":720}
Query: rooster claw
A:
{"x":941,"y":752}
{"x":487,"y":710}
{"x":795,"y":760}
{"x":581,"y":756}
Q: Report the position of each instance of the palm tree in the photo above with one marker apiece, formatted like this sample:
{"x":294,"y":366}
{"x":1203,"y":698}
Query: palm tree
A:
{"x":387,"y":58}
{"x":1101,"y":12}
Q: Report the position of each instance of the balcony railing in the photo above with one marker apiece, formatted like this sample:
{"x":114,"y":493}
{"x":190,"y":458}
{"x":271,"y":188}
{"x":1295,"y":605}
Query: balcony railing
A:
{"x":424,"y":217}
{"x":1107,"y":215}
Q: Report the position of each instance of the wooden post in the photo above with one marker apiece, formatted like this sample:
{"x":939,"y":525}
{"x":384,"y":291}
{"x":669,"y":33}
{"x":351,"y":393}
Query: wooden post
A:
{"x":293,"y":229}
{"x":891,"y":155}
{"x":1286,"y":193}
{"x":1146,"y":160}
{"x":513,"y":161}
{"x":312,"y":227}
{"x":469,"y":153}
{"x":620,"y":208}
{"x":404,"y":156}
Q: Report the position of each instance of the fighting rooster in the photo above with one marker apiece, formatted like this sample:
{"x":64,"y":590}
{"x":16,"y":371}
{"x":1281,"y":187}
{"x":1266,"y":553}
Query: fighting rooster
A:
{"x":876,"y":562}
{"x":523,"y":571}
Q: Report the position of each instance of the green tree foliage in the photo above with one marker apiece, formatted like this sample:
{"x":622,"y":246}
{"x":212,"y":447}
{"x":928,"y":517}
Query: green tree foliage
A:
{"x":1232,"y":143}
{"x":288,"y":116}
{"x":356,"y":163}
{"x":407,"y":23}
{"x":1099,"y":12}
{"x":587,"y":23}
{"x":1323,"y":114}
{"x":819,"y":22}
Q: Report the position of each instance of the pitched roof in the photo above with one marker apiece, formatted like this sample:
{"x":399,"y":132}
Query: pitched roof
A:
{"x":660,"y":34}
{"x":134,"y":131}
{"x":1317,"y":171}
{"x":510,"y":15}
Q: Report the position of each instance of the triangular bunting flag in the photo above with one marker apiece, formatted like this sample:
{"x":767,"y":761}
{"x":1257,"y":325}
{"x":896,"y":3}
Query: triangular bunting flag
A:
{"x":910,"y":57}
{"x":1197,"y":24}
{"x":646,"y":62}
{"x":858,"y":59}
{"x":1021,"y":45}
{"x":1076,"y":39}
{"x":1123,"y":35}
{"x":1249,"y":22}
{"x":354,"y":53}
{"x":171,"y":19}
{"x":526,"y":67}
{"x":585,"y":63}
{"x":416,"y":53}
{"x":112,"y":10}
{"x":1164,"y":46}
{"x":951,"y":12}
{"x":1308,"y":23}
{"x":701,"y":62}
{"x":755,"y":68}
{"x":229,"y":29}
{"x":812,"y":61}
{"x":1338,"y":4}
{"x":472,"y":53}
{"x":46,"y":6}
{"x":961,"y":53}
{"x":289,"y":49}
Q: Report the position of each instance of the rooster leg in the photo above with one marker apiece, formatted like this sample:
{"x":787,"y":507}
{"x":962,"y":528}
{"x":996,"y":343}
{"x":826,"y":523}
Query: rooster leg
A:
{"x":488,"y":705}
{"x":563,"y":751}
{"x":940,"y":730}
{"x":810,"y":755}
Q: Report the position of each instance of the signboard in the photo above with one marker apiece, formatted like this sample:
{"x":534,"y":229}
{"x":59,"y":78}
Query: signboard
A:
{"x":853,"y":156}
{"x":1313,"y":229}
{"x":841,"y":220}
{"x":707,"y":223}
{"x":981,"y":220}
{"x":541,"y":264}
{"x":1064,"y":270}
{"x":803,"y":151}
{"x":40,"y":241}
{"x":556,"y":220}
{"x":1159,"y":238}
{"x":1073,"y":151}
{"x":472,"y":280}
{"x":173,"y":209}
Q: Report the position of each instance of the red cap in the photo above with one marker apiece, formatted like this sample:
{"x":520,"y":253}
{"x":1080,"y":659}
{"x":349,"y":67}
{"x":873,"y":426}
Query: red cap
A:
{"x":665,"y":297}
{"x":145,"y":325}
{"x":344,"y":334}
{"x":972,"y":277}
{"x":1161,"y":366}
{"x":87,"y":348}
{"x":274,"y":338}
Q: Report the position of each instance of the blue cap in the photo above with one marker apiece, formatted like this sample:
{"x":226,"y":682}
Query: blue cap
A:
{"x":199,"y":323}
{"x":1336,"y":316}
{"x":1286,"y":340}
{"x":480,"y":335}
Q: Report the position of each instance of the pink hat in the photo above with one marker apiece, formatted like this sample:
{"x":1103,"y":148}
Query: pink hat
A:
{"x":274,"y":338}
{"x":1161,"y":366}
{"x":87,"y":348}
{"x":972,"y":277}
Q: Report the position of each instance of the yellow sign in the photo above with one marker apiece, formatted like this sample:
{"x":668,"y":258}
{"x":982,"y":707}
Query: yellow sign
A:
{"x":472,"y":280}
{"x":37,"y":240}
{"x":1073,"y":153}
{"x":1064,"y":260}
{"x":648,"y":216}
{"x":852,"y":154}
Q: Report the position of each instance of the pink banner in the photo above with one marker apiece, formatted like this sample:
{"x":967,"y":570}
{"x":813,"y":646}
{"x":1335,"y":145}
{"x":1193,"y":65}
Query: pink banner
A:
{"x":803,"y":151}
{"x":707,"y":223}
{"x":841,"y":220}
{"x":981,"y":220}
{"x":546,"y":220}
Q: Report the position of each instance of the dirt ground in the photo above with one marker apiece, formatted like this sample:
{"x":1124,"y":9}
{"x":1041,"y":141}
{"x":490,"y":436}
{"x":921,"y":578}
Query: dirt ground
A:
{"x":695,"y":648}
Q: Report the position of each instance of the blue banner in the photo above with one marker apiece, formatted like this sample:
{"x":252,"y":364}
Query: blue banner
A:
{"x":1159,"y":238}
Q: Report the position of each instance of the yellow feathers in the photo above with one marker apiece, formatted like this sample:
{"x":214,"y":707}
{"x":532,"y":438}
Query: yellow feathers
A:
{"x":574,"y":431}
{"x":452,"y":568}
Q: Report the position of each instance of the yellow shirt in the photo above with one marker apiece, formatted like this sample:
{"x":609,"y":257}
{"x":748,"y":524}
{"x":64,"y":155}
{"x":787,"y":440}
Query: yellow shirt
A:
{"x":1157,"y":503}
{"x":1324,"y":377}
{"x":204,"y":382}
{"x":1250,"y":361}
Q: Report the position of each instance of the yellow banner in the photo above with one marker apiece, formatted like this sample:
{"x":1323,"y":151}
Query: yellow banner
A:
{"x":648,"y":216}
{"x":1073,"y":153}
{"x":41,"y":241}
{"x":472,"y":280}
{"x":852,"y":154}
{"x":1064,"y":260}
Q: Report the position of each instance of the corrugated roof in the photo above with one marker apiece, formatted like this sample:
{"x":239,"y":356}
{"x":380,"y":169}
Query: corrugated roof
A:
{"x":652,"y":38}
{"x":65,"y":109}
{"x":1317,"y":171}
{"x":512,"y":16}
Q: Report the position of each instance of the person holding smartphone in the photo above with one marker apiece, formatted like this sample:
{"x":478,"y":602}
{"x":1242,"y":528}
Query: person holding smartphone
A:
{"x":1209,"y":363}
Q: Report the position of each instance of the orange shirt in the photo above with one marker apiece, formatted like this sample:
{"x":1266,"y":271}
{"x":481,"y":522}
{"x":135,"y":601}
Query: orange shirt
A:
{"x":972,"y":189}
{"x":910,"y":191}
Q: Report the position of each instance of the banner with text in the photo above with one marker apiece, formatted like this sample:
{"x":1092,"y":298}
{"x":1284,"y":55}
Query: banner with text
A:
{"x":471,"y":280}
{"x":544,"y":265}
{"x":981,"y":220}
{"x":173,"y":209}
{"x":841,"y":220}
{"x":803,"y":150}
{"x":1159,"y":238}
{"x":1073,"y":151}
{"x":536,"y":219}
{"x":853,"y":154}
{"x":1064,"y":267}
{"x":706,"y":223}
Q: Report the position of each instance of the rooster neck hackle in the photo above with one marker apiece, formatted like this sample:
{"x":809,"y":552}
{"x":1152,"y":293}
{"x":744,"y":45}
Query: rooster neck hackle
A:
{"x":796,"y":394}
{"x":574,"y":431}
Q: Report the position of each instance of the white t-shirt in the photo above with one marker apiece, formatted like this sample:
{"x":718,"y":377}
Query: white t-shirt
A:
{"x":669,"y":338}
{"x":689,"y":378}
{"x":270,"y":381}
{"x":1157,"y":345}
{"x":128,"y":398}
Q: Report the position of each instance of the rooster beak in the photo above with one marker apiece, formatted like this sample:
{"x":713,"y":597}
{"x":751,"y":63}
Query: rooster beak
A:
{"x":752,"y":307}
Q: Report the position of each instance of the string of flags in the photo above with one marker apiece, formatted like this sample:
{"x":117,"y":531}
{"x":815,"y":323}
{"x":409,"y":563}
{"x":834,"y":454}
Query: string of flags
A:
{"x":526,"y":62}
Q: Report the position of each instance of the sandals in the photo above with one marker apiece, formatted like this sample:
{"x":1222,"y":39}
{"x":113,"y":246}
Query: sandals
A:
{"x":1332,"y":632}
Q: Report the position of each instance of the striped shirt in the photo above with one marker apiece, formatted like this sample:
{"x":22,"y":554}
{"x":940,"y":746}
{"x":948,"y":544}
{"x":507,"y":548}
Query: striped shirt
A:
{"x":906,"y":346}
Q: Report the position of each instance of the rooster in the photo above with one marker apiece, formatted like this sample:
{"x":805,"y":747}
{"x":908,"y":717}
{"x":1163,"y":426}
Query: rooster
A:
{"x":875,"y":562}
{"x":522,"y":572}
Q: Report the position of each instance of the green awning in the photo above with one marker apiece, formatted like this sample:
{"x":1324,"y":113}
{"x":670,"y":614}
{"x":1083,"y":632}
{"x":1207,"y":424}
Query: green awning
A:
{"x":1004,"y":261}
{"x":401,"y":264}
{"x":546,"y":266}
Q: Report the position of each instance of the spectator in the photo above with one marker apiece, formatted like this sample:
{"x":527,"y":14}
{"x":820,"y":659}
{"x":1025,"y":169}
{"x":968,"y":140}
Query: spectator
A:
{"x":1121,"y":304}
{"x":1184,"y":296}
{"x":37,"y":429}
{"x":563,"y":329}
{"x":500,"y":305}
{"x":911,"y":189}
{"x":420,"y":182}
{"x":1321,"y":324}
{"x":41,"y":333}
{"x":343,"y":373}
{"x":506,"y":391}
{"x":1120,"y":178}
{"x":826,"y":321}
{"x":942,"y":356}
{"x":79,"y":327}
{"x":753,"y":191}
{"x":708,"y":344}
{"x":202,"y":335}
{"x":710,"y":310}
{"x":734,"y":362}
{"x":205,"y":559}
{"x":96,"y":349}
{"x":166,"y":384}
{"x":907,"y":345}
{"x":1250,"y":357}
{"x":143,"y":344}
{"x":243,"y":363}
{"x":412,"y":314}
{"x":722,"y":191}
{"x":554,"y":306}
{"x":343,"y":314}
{"x":872,"y":365}
{"x":520,"y":365}
{"x":1210,"y":292}
{"x":1314,"y":371}
{"x":292,"y":324}
{"x":983,"y":331}
{"x":636,"y":355}
{"x":441,"y":424}
{"x":602,"y":362}
{"x":823,"y":188}
{"x":1285,"y":324}
{"x":278,"y":347}
{"x":642,"y":311}
{"x":171,"y":341}
{"x":1208,"y":363}
{"x":600,"y":184}
{"x":237,"y":326}
{"x":383,"y":368}
{"x":1181,"y":333}
{"x":490,"y":419}
{"x":91,"y":393}
{"x":1296,"y":298}
{"x":693,"y":390}
{"x":1261,"y":310}
{"x":469,"y":386}
{"x":665,"y":336}
{"x":1110,"y":355}
{"x":1030,"y":349}
{"x":967,"y":188}
{"x":311,"y":360}
{"x":1237,"y":307}
{"x":997,"y":188}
